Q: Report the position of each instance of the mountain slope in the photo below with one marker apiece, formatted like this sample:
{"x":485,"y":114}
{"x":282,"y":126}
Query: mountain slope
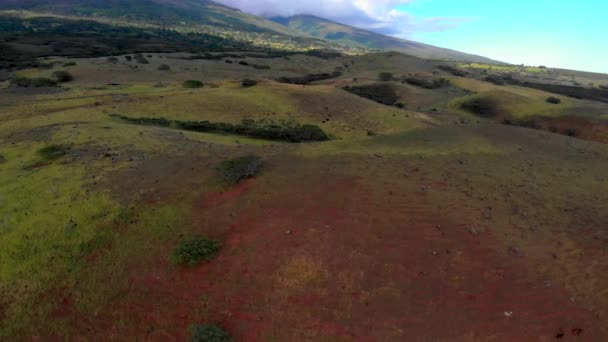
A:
{"x":351,"y":36}
{"x":161,"y":12}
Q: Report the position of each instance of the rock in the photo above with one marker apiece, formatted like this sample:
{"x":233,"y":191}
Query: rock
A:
{"x":288,"y":232}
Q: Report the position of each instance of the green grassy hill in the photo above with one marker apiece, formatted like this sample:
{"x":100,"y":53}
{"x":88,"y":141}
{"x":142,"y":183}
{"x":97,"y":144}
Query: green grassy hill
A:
{"x":351,"y":36}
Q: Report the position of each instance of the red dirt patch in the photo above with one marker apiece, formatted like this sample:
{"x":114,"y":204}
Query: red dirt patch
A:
{"x":325,"y":258}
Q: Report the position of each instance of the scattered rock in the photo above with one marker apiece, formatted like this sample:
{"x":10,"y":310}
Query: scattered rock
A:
{"x":288,"y":232}
{"x":508,"y":313}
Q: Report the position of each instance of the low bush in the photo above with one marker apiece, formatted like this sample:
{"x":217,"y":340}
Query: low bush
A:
{"x":192,"y":84}
{"x":428,"y":84}
{"x":62,"y":76}
{"x":553,"y":100}
{"x":235,"y":170}
{"x":23,"y":82}
{"x":605,"y":87}
{"x":310,"y":78}
{"x":141,"y":59}
{"x":112,"y":59}
{"x":128,"y":58}
{"x":481,"y":106}
{"x":452,"y":70}
{"x":383,"y":93}
{"x":571,"y":132}
{"x":246,"y":83}
{"x":194,"y":251}
{"x":164,"y":67}
{"x":68,"y":64}
{"x":208,"y":333}
{"x":385,"y":76}
{"x":52,"y":152}
{"x":290,"y":132}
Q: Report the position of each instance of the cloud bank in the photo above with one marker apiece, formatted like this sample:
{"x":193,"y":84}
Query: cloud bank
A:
{"x":375,"y":15}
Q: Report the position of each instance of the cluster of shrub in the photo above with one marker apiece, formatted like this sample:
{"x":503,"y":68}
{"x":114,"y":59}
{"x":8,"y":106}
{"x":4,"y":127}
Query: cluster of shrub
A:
{"x":39,"y":82}
{"x":310,"y":78}
{"x":452,"y":70}
{"x":383,"y":93}
{"x":426,"y":83}
{"x":284,"y":131}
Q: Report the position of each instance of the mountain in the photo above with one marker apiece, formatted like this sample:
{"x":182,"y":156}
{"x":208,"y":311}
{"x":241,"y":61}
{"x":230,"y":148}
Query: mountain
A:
{"x":205,"y":16}
{"x":351,"y":36}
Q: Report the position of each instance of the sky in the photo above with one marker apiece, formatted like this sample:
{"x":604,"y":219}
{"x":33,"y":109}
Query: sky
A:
{"x":555,"y":33}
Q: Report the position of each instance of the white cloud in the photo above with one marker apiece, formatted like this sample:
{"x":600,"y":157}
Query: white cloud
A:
{"x":376,"y":15}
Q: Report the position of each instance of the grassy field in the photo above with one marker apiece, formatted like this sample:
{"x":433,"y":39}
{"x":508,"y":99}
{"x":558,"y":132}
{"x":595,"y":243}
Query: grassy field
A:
{"x":422,"y":222}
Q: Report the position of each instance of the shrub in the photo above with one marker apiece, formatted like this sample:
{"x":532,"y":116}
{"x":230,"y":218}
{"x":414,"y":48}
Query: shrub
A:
{"x":553,"y":100}
{"x":128,"y":58}
{"x":385,"y":76}
{"x":428,"y":84}
{"x":112,"y":59}
{"x":383,"y":93}
{"x":481,"y":106}
{"x":68,"y":64}
{"x":208,"y":333}
{"x":194,"y":251}
{"x":452,"y":70}
{"x":62,"y":76}
{"x":2,"y":159}
{"x":605,"y":87}
{"x":164,"y":67}
{"x":233,"y":171}
{"x":32,"y":82}
{"x":307,"y":79}
{"x":192,"y":84}
{"x":248,"y":83}
{"x":52,"y":152}
{"x":571,"y":132}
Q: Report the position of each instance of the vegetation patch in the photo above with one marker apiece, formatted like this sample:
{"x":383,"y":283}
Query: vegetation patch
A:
{"x":452,"y":70}
{"x":383,"y":93}
{"x":208,"y":333}
{"x":428,"y":83}
{"x":52,"y":152}
{"x":23,"y":82}
{"x":62,"y":76}
{"x":310,"y":78}
{"x":482,"y":106}
{"x":283,"y":131}
{"x":246,"y":83}
{"x":164,"y":67}
{"x":192,"y":84}
{"x":553,"y":100}
{"x":385,"y":76}
{"x":194,"y":251}
{"x":235,"y":170}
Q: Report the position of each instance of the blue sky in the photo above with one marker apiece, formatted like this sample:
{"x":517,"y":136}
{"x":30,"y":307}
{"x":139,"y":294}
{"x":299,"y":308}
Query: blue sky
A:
{"x":558,"y":33}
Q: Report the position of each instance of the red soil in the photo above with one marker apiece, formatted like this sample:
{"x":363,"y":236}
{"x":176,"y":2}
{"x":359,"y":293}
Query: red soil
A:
{"x":326,"y":259}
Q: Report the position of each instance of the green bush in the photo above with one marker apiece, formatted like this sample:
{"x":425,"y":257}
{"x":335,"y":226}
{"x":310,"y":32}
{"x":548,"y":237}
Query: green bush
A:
{"x":164,"y":67}
{"x":62,"y":76}
{"x":208,"y":333}
{"x":194,"y":251}
{"x":553,"y":100}
{"x":68,"y":64}
{"x":192,"y":84}
{"x":246,"y":83}
{"x":23,"y":82}
{"x":385,"y":76}
{"x":235,"y":170}
{"x":112,"y":60}
{"x":52,"y":152}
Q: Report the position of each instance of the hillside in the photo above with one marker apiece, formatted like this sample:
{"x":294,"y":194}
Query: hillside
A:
{"x":208,"y":17}
{"x":351,"y":36}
